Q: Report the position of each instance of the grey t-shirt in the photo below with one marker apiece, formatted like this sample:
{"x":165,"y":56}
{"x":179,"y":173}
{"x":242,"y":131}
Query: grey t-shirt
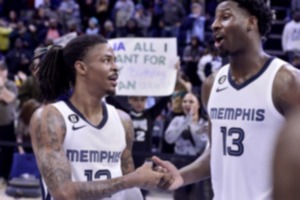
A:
{"x":8,"y":111}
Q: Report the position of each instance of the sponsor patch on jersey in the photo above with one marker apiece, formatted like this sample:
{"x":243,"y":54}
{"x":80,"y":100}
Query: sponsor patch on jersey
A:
{"x":222,"y":79}
{"x":73,"y":118}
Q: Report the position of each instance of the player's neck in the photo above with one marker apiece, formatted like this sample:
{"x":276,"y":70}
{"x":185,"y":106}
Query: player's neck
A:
{"x":246,"y":64}
{"x":87,"y":102}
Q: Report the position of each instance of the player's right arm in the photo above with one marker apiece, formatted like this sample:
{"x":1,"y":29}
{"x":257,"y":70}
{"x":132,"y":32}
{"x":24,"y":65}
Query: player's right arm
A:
{"x":200,"y":168}
{"x":48,"y":131}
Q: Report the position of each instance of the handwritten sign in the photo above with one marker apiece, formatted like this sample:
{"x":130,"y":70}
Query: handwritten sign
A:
{"x":147,"y":65}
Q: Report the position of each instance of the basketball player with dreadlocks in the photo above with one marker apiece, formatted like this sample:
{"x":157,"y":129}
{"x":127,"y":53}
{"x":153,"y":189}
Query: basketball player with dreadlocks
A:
{"x":83,"y":145}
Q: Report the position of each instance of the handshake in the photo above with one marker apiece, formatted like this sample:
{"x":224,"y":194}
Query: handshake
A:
{"x":164,"y":175}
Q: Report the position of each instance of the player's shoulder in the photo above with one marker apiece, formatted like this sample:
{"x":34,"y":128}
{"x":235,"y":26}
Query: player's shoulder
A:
{"x":123,"y":116}
{"x":286,"y":88}
{"x":287,"y":75}
{"x":44,"y":111}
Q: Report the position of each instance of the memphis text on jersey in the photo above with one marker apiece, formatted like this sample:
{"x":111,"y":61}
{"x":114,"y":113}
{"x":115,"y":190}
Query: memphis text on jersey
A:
{"x":243,"y":114}
{"x":93,"y":156}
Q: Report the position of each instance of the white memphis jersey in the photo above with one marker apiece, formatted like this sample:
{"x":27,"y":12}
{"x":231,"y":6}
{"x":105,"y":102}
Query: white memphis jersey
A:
{"x":245,"y":127}
{"x":94,"y":152}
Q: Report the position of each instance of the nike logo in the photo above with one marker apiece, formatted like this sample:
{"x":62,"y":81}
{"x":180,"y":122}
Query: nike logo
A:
{"x":221,"y":89}
{"x":74,"y":128}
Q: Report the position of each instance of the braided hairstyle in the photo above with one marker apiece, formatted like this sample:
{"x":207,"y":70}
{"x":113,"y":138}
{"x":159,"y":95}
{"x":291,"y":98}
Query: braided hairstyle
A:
{"x":56,"y":74}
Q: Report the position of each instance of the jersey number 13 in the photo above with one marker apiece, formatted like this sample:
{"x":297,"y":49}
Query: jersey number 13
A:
{"x":233,"y":141}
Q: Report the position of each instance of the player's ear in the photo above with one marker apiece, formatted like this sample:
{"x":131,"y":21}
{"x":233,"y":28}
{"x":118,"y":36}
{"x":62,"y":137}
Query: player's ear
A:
{"x":252,"y":23}
{"x":80,"y":67}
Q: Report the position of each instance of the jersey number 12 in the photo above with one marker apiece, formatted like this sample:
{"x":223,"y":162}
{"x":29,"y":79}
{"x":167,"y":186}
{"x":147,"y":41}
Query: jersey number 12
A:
{"x":98,"y":175}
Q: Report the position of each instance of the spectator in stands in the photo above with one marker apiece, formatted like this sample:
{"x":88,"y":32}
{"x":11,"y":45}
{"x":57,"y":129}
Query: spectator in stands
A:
{"x":18,"y":59}
{"x":295,"y":5}
{"x":93,"y":28}
{"x":209,"y":63}
{"x":102,"y":13}
{"x":69,"y":10}
{"x":40,"y":17}
{"x":173,"y":14}
{"x":132,"y":29}
{"x":48,"y":9}
{"x":189,"y":134}
{"x":46,"y":4}
{"x":191,"y":56}
{"x":4,"y":35}
{"x":22,"y":130}
{"x":182,"y":87}
{"x":194,"y":24}
{"x":291,"y":36}
{"x":157,"y":14}
{"x":143,"y":19}
{"x":28,"y":89}
{"x":124,"y":10}
{"x":25,"y":33}
{"x":1,"y":8}
{"x":12,"y":19}
{"x":87,"y":11}
{"x":8,"y":94}
{"x":52,"y":32}
{"x":296,"y":60}
{"x":109,"y":30}
{"x":143,"y":122}
{"x":73,"y":26}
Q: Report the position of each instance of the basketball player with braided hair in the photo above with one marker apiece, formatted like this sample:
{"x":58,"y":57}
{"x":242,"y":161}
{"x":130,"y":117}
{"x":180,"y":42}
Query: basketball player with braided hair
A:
{"x":83,"y":145}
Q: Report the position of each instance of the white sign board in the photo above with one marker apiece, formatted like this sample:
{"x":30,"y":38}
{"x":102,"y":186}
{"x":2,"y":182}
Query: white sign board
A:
{"x":147,"y":65}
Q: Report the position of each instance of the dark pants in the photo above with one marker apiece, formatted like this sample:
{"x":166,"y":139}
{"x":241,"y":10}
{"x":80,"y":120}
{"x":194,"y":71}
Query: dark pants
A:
{"x":7,"y":134}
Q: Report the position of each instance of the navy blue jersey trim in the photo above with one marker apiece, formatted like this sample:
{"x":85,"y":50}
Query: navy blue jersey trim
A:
{"x":250,"y":80}
{"x":45,"y":197}
{"x":48,"y":197}
{"x":103,"y":121}
{"x":43,"y":189}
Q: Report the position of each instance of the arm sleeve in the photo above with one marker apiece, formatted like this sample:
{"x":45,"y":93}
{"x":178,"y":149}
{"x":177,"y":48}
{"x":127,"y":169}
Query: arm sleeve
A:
{"x":198,"y":132}
{"x":176,"y":127}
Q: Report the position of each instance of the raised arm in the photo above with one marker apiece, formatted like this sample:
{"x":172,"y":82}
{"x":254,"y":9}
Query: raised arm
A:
{"x":126,"y":158}
{"x":8,"y":94}
{"x":175,"y":129}
{"x":48,"y":132}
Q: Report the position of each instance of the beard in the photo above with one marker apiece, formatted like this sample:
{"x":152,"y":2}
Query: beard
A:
{"x":111,"y":92}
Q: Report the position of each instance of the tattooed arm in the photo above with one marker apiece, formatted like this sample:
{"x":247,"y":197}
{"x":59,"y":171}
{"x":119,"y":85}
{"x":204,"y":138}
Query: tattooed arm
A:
{"x":48,"y":131}
{"x":126,"y":158}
